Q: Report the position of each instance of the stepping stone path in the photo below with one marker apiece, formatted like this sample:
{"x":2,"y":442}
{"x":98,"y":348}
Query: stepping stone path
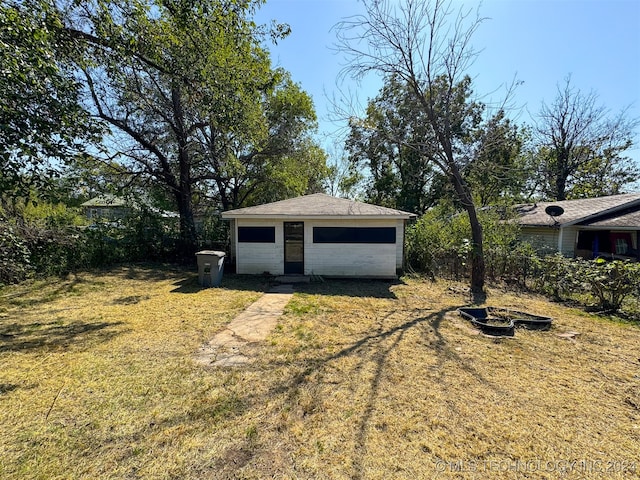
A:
{"x":234,"y":346}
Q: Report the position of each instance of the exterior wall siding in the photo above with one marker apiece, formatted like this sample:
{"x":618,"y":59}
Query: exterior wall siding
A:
{"x":546,"y":239}
{"x":340,"y":259}
{"x":257,"y":258}
{"x":541,"y":238}
{"x":400,"y":224}
{"x":569,"y":240}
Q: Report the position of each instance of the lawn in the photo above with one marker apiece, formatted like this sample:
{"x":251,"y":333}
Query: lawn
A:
{"x":359,"y":380}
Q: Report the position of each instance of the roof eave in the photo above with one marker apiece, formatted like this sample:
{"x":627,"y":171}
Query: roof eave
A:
{"x":255,"y":216}
{"x":543,"y":225}
{"x":610,"y":227}
{"x":601,"y":213}
{"x":586,"y":218}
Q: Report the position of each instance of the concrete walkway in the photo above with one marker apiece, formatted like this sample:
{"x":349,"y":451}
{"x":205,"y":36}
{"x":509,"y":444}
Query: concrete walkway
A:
{"x":234,"y":346}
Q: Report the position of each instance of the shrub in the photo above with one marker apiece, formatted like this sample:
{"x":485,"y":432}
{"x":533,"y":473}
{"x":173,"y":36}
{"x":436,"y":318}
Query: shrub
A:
{"x":15,"y":264}
{"x":439,"y":244}
{"x":610,"y":282}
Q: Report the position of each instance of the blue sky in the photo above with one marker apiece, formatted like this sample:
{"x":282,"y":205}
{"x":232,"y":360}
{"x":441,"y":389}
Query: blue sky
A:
{"x":538,"y":42}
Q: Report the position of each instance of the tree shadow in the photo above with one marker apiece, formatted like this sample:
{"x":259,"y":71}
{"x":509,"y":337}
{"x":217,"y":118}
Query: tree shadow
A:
{"x":377,"y":348}
{"x":152,"y":272}
{"x":250,"y":283}
{"x":376,"y":288}
{"x":130,"y":300}
{"x":373,"y":288}
{"x":54,"y":335}
{"x":29,"y":296}
{"x":7,"y":387}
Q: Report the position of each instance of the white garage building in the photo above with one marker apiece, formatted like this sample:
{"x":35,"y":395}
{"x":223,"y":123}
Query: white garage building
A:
{"x":318,"y":235}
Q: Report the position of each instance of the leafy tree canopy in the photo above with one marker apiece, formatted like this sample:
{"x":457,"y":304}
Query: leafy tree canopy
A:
{"x":193,"y":103}
{"x":42,"y":123}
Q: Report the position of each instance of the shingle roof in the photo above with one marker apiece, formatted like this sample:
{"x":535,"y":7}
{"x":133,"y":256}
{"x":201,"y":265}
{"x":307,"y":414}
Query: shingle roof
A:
{"x":621,"y":220}
{"x":317,"y":205}
{"x":104,"y":201}
{"x":577,"y":211}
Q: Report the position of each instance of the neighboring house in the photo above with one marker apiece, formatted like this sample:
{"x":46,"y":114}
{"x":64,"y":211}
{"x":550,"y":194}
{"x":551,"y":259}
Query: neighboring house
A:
{"x":105,"y":207}
{"x":318,"y":235}
{"x":588,"y":228}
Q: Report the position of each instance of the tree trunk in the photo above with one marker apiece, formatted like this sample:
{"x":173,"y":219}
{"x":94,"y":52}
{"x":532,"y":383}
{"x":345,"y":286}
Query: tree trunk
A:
{"x":477,"y":236}
{"x":477,"y":257}
{"x":561,"y":187}
{"x":188,"y":237}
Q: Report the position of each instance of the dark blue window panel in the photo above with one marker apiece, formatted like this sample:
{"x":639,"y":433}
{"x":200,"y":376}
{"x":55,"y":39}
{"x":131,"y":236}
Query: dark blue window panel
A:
{"x":354,"y":234}
{"x":257,"y":234}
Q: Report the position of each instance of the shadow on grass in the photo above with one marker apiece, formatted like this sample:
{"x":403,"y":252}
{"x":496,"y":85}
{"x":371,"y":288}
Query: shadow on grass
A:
{"x":252,"y":283}
{"x":151,"y":272}
{"x":376,"y":348}
{"x":27,"y":295}
{"x":7,"y":387}
{"x":54,"y":335}
{"x":351,"y":288}
{"x":263,"y":283}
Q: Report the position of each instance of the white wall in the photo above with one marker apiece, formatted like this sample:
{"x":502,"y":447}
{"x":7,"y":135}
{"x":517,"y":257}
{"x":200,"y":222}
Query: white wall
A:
{"x":348,"y":259}
{"x":569,"y":241}
{"x":400,"y":224}
{"x":257,"y":258}
{"x":342,"y":259}
{"x":541,"y":236}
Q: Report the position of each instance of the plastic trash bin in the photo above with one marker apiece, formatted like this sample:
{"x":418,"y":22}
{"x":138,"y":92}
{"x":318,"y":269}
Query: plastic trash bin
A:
{"x":210,"y":267}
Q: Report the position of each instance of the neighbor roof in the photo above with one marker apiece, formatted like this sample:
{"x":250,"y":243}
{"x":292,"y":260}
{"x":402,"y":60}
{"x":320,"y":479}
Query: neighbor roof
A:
{"x":586,"y":211}
{"x":625,"y":219}
{"x":104,"y":201}
{"x":317,"y":205}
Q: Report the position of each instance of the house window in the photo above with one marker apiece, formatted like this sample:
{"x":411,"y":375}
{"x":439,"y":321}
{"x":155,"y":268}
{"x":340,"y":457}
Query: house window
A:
{"x":354,"y":235}
{"x":621,"y":246}
{"x":257,"y":234}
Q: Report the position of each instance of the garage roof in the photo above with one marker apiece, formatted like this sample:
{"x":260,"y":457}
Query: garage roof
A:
{"x":317,"y":205}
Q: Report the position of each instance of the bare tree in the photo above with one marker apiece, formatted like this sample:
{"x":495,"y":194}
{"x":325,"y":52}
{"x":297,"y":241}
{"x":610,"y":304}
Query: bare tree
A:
{"x":427,"y":45}
{"x":580,"y":146}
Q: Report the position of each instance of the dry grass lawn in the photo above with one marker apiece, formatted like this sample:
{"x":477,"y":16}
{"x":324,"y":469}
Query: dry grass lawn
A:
{"x":361,"y":380}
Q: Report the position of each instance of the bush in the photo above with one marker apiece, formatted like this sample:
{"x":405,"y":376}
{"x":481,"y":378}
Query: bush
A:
{"x":49,"y":240}
{"x":439,"y":244}
{"x":610,"y":283}
{"x":15,"y":264}
{"x":603,"y":284}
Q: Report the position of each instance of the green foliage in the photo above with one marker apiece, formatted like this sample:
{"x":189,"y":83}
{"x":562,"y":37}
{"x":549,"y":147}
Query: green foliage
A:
{"x":499,"y":170}
{"x":51,"y":214}
{"x":395,"y":144}
{"x":581,"y":147}
{"x":605,"y":284}
{"x":42,"y":124}
{"x":398,"y":147}
{"x":610,"y":282}
{"x":50,"y":240}
{"x":440,"y":237}
{"x":196,"y":108}
{"x":557,"y":277}
{"x":141,"y":236}
{"x":213,"y":233}
{"x":437,"y":245}
{"x":15,"y":264}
